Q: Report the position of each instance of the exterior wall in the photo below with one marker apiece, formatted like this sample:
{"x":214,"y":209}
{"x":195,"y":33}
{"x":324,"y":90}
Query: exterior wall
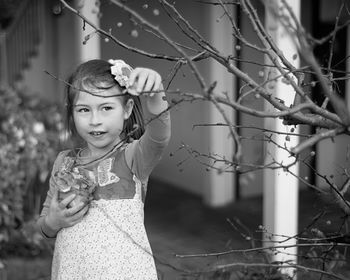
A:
{"x":253,"y":150}
{"x":189,"y":175}
{"x":35,"y":81}
{"x":57,"y":54}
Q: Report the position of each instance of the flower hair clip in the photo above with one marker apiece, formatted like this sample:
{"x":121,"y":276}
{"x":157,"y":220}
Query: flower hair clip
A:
{"x":121,"y":72}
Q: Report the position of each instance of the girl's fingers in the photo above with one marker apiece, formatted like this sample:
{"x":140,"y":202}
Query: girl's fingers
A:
{"x":141,"y":82}
{"x":75,"y":209}
{"x":157,"y":83}
{"x":154,"y":84}
{"x":144,"y":80}
{"x":55,"y":196}
{"x":82,"y":211}
{"x":133,"y":76}
{"x":149,"y":85}
{"x":76,"y":217}
{"x":132,"y":90}
{"x":64,"y":203}
{"x":135,"y":81}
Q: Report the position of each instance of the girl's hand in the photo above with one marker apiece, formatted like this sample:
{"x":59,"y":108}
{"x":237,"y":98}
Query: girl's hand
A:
{"x":60,"y":216}
{"x":150,"y":82}
{"x":144,"y":80}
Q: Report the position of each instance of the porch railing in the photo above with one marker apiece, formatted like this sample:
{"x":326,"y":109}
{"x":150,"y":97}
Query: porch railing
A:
{"x":18,"y":43}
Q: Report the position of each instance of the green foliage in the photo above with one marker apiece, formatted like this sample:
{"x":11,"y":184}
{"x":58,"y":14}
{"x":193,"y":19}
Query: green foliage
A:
{"x":29,"y":141}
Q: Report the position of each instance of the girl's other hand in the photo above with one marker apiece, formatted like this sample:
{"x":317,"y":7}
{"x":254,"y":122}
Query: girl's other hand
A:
{"x":144,"y":80}
{"x":60,"y":216}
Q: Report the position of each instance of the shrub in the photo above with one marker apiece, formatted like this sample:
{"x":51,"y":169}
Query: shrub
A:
{"x":29,"y":140}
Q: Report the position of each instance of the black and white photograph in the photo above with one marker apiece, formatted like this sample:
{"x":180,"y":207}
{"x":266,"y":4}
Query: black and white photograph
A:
{"x":174,"y":139}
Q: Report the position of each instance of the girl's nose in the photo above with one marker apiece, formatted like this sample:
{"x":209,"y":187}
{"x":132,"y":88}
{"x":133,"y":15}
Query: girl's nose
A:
{"x":95,"y":118}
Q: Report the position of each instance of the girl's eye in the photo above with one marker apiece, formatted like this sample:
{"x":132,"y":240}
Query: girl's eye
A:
{"x":107,"y":108}
{"x":83,"y":110}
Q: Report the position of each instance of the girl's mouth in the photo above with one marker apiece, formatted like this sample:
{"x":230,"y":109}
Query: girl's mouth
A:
{"x":97,"y":133}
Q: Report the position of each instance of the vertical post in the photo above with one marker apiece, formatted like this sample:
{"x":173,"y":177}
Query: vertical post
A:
{"x":221,"y":189}
{"x":88,"y":39}
{"x":280,"y":203}
{"x":3,"y":59}
{"x":347,"y":84}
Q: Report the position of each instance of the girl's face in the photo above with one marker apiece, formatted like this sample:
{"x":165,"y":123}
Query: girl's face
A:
{"x":100,"y":120}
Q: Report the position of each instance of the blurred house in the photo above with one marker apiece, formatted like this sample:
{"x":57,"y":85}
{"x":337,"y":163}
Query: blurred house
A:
{"x":42,"y":37}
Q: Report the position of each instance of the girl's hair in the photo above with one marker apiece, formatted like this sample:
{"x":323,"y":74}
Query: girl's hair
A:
{"x":96,"y":74}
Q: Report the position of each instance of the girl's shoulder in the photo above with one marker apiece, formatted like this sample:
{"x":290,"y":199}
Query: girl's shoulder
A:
{"x":130,"y":147}
{"x":62,"y":158}
{"x":66,"y":153}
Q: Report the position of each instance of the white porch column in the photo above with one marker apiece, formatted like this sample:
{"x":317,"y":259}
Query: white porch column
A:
{"x":221,"y":189}
{"x":347,"y":84}
{"x":280,"y":203}
{"x":89,"y":49}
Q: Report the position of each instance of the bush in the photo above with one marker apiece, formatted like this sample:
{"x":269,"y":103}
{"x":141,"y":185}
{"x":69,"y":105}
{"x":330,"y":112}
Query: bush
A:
{"x":29,"y":141}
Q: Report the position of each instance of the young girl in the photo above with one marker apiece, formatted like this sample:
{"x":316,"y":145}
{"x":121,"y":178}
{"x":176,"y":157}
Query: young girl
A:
{"x":94,"y":206}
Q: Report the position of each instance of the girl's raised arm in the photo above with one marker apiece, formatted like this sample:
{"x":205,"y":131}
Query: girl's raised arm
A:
{"x":144,"y":154}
